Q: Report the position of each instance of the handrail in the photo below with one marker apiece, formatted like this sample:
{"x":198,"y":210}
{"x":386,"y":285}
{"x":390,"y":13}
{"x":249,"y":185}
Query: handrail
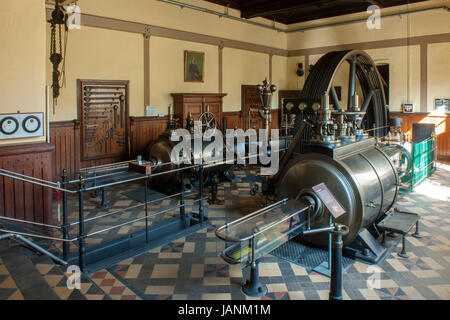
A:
{"x":265,"y":228}
{"x":34,"y":246}
{"x":50,"y":184}
{"x":227,"y":225}
{"x":38,"y":236}
{"x":137,"y":219}
{"x":29,"y":177}
{"x":130,"y":208}
{"x":30,"y":222}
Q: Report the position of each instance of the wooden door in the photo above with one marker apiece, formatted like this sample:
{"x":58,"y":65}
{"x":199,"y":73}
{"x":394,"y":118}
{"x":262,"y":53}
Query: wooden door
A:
{"x":251,"y":100}
{"x":195,"y":108}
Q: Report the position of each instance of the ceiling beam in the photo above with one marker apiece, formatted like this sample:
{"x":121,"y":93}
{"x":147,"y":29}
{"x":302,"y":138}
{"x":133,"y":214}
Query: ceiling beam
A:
{"x":65,"y":2}
{"x":254,"y":9}
{"x":333,"y":11}
{"x":234,"y":4}
{"x":375,"y":3}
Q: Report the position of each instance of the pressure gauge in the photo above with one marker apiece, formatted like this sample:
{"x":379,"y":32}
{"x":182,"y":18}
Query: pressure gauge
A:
{"x":316,"y":107}
{"x":9,"y":125}
{"x":289,"y":106}
{"x":31,"y":124}
{"x":302,"y":106}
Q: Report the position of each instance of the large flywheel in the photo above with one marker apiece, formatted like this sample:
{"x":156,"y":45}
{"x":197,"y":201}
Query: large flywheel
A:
{"x":355,"y":71}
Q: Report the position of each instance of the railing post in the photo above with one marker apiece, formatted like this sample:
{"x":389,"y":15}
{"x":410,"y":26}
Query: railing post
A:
{"x":65,"y":227}
{"x":253,"y":287}
{"x":81,"y":237}
{"x":146,"y":210}
{"x":182,"y":208}
{"x":201,"y":211}
{"x":336,"y":262}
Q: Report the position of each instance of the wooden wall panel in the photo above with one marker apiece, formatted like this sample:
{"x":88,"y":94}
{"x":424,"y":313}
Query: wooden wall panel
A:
{"x":442,"y":128}
{"x":22,"y":200}
{"x":66,"y":153}
{"x":145,"y":130}
{"x":235,"y":119}
{"x":65,"y":136}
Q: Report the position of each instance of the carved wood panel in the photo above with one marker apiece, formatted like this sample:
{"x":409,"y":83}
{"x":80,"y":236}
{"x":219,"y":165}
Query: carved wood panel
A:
{"x":104,"y":116}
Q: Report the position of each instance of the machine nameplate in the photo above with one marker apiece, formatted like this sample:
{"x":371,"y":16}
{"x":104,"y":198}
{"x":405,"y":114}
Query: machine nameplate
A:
{"x":329,"y":200}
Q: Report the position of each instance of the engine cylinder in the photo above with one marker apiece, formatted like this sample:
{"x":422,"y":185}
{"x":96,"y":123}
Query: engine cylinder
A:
{"x":360,"y":175}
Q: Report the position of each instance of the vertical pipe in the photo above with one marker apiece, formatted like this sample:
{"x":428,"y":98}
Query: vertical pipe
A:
{"x":336,"y":266}
{"x":146,"y":210}
{"x":81,"y":240}
{"x":65,"y":228}
{"x":351,"y":85}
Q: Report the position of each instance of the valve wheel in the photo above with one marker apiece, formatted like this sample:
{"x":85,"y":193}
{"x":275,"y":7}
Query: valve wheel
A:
{"x":209,"y":122}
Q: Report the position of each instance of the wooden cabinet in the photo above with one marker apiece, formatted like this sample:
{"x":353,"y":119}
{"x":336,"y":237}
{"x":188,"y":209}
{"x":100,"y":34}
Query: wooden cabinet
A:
{"x":197,"y":103}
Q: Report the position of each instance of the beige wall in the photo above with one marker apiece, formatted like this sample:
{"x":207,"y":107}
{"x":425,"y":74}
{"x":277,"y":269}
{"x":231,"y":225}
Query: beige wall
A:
{"x":167,"y":70}
{"x":404,"y":61}
{"x":438,"y":72}
{"x":22,"y":55}
{"x":280,"y":76}
{"x":100,"y":54}
{"x":417,"y":24}
{"x":295,"y":82}
{"x":154,"y":12}
{"x":241,"y":68}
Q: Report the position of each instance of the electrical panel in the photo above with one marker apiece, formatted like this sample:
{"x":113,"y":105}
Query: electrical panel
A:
{"x":21,"y":125}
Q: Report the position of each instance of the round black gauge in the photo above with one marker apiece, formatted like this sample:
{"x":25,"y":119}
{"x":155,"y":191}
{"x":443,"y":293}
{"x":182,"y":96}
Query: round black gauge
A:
{"x":31,"y":124}
{"x":9,"y":125}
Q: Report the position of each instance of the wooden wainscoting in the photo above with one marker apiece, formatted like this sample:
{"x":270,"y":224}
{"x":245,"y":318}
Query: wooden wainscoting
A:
{"x":234,"y":119}
{"x":145,"y":130}
{"x":442,"y":128}
{"x":65,"y":136}
{"x":22,"y":200}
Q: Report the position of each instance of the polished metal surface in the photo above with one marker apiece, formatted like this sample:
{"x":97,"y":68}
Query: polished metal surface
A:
{"x":160,"y":152}
{"x":365,"y":183}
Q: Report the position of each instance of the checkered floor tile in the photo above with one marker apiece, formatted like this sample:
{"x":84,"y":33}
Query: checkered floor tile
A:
{"x":190,"y":267}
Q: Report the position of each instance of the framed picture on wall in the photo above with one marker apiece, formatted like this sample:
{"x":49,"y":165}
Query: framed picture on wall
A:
{"x":407,"y":107}
{"x":443,"y":103}
{"x":194,"y":66}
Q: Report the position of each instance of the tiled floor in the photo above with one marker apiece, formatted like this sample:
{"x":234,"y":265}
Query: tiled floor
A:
{"x":189,"y":268}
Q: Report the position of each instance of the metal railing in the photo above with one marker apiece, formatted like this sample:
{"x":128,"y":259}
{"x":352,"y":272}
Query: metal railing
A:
{"x":94,"y":179}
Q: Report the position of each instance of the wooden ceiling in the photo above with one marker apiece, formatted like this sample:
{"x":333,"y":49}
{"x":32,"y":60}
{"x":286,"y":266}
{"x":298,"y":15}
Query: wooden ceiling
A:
{"x":293,"y":11}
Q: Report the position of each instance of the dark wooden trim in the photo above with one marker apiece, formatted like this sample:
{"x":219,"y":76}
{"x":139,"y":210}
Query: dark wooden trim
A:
{"x":22,"y":200}
{"x":423,"y":77}
{"x":80,"y":104}
{"x":220,"y":68}
{"x":146,"y":70}
{"x":443,"y":137}
{"x":425,"y":114}
{"x":270,"y":67}
{"x":399,"y":42}
{"x":17,"y":149}
{"x":136,"y":27}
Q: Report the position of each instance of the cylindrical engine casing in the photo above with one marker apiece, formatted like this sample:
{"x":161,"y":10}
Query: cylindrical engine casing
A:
{"x":361,"y":177}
